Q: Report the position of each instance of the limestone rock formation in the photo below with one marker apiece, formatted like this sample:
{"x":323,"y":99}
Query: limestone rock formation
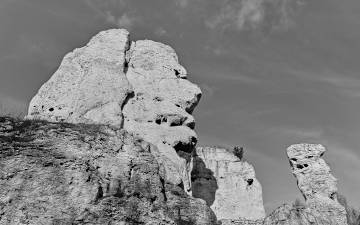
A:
{"x":229,"y":186}
{"x":318,"y":187}
{"x":140,"y":87}
{"x":90,"y":85}
{"x":60,"y":173}
{"x":160,"y":110}
{"x":316,"y":182}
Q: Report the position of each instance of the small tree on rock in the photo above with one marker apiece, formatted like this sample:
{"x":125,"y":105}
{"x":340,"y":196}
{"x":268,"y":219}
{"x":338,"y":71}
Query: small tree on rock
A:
{"x":238,"y":152}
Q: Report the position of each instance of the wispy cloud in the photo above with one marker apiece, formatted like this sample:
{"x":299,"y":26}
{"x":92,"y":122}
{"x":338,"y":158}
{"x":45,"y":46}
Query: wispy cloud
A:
{"x":299,"y":133}
{"x":123,"y":21}
{"x":160,"y":31}
{"x":254,"y":14}
{"x":115,"y":12}
{"x":182,"y":3}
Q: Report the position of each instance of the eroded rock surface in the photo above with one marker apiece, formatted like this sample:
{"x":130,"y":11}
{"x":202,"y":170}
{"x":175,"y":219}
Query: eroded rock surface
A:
{"x":139,"y":87}
{"x":318,"y":187}
{"x":59,"y":173}
{"x":229,"y":186}
{"x":90,"y":85}
{"x":161,"y":110}
{"x":316,"y":182}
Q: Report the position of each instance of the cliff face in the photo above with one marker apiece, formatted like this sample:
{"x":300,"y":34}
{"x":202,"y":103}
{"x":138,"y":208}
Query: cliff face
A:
{"x":138,"y":86}
{"x":54,"y":173}
{"x":228,"y":184}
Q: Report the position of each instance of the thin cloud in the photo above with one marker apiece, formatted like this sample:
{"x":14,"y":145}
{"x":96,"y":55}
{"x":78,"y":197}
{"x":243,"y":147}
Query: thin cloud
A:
{"x":123,"y":21}
{"x":114,"y":12}
{"x":160,"y":31}
{"x":182,"y":3}
{"x":254,"y":14}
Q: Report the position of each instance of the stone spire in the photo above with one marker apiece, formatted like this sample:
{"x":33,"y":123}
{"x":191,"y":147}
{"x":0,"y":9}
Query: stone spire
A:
{"x":316,"y":183}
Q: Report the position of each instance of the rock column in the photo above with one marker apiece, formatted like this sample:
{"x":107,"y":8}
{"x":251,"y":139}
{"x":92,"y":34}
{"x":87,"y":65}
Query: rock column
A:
{"x":316,"y":183}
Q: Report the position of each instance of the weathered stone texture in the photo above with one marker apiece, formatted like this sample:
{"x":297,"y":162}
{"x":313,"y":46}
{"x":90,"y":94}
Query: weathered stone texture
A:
{"x":90,"y":85}
{"x":316,"y":182}
{"x":160,"y":110}
{"x":141,"y":88}
{"x":85,"y":174}
{"x":318,"y":187}
{"x":228,"y":184}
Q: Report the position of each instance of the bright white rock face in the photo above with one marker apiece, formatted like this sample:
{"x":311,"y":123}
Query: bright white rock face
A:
{"x":316,"y":182}
{"x":90,"y":85}
{"x":227,"y":184}
{"x":140,"y":87}
{"x":161,"y":110}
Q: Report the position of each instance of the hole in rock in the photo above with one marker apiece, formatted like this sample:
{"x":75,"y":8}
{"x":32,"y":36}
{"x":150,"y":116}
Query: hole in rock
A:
{"x":306,"y":165}
{"x":191,"y":125}
{"x":299,"y":166}
{"x":333,"y":196}
{"x":161,"y":119}
{"x":176,"y":121}
{"x":158,"y":99}
{"x":177,"y":73}
{"x":293,"y":159}
{"x":185,"y":147}
{"x":250,"y":181}
{"x":51,"y":109}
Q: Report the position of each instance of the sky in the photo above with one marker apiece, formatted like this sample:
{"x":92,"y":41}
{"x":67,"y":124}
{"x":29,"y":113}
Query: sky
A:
{"x":273,"y":72}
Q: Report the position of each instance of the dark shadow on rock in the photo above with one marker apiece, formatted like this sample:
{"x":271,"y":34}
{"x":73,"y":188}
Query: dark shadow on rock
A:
{"x":186,"y":210}
{"x":204,"y":184}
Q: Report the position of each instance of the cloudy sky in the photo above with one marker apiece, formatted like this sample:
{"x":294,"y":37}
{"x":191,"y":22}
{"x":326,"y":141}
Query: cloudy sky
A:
{"x":273,"y":72}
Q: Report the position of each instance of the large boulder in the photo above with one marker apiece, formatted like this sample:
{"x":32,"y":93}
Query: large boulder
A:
{"x":60,"y":173}
{"x":229,"y":186}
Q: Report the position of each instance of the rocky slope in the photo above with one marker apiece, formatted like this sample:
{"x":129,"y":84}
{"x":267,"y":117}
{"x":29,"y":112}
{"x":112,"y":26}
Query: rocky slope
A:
{"x":60,"y":173}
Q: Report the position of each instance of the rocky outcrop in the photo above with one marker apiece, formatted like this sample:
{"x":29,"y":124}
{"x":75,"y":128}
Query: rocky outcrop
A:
{"x":116,"y":145}
{"x":140,"y":87}
{"x":316,"y":182}
{"x":318,"y":187}
{"x":60,"y":173}
{"x":229,"y":186}
{"x":90,"y":85}
{"x":160,"y":110}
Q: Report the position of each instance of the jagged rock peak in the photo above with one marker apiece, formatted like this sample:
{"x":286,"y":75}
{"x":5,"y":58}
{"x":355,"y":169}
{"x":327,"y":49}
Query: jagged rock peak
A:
{"x":316,"y":183}
{"x":229,"y":186}
{"x":139,"y":86}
